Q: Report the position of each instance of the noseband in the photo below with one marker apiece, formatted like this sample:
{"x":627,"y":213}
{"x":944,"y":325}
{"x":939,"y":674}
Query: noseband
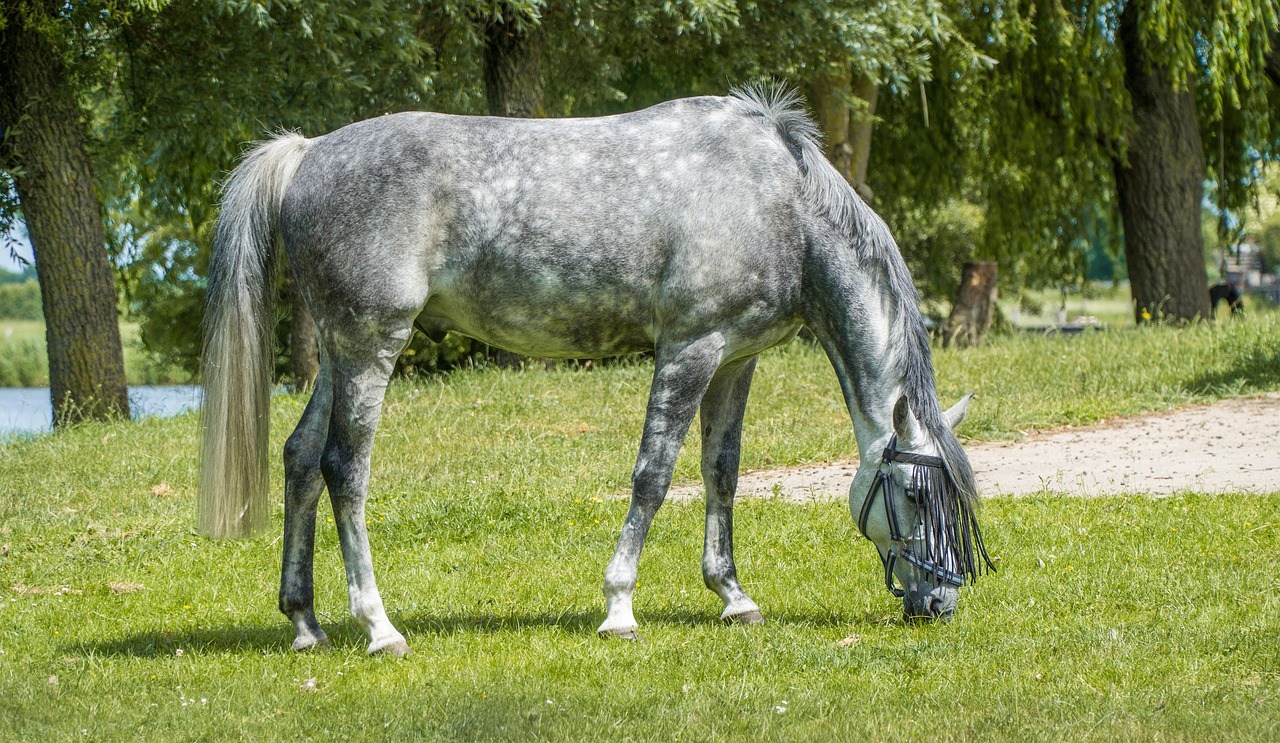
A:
{"x":920,"y":494}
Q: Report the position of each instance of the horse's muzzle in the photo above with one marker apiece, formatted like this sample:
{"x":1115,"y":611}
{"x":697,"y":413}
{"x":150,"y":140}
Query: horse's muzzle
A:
{"x":929,"y":601}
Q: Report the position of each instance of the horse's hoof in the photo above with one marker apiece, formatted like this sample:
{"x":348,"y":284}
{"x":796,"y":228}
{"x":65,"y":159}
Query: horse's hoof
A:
{"x":746,"y":618}
{"x":396,"y":648}
{"x":622,"y":633}
{"x":305,"y":644}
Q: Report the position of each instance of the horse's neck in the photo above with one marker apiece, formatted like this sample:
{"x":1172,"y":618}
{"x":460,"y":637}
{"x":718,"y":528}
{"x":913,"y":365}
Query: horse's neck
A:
{"x":854,"y":321}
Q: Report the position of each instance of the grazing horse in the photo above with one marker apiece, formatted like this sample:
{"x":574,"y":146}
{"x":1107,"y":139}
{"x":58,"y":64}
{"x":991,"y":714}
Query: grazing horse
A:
{"x":706,"y":230}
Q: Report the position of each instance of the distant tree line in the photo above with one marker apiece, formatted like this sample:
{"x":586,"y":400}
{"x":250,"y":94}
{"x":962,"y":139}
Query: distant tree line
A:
{"x":1026,"y":132}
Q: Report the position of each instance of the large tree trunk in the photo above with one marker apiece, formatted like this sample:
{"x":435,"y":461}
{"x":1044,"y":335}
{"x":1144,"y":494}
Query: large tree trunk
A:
{"x":846,"y":129}
{"x":974,"y":308}
{"x":1160,"y":189}
{"x":861,"y":123}
{"x":513,"y":68}
{"x":44,"y":150}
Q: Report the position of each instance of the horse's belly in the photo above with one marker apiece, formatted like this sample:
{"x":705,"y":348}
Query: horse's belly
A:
{"x":554,"y":328}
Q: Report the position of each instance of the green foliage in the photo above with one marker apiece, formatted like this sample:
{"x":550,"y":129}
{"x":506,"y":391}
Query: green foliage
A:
{"x":1033,"y":140}
{"x":23,"y":361}
{"x":28,"y":273}
{"x":20,"y":301}
{"x":196,"y":80}
{"x":936,"y":243}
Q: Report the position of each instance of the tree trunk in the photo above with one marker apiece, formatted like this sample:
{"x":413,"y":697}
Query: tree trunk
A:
{"x":861,"y":123}
{"x":828,"y":97}
{"x":1160,"y":189}
{"x":46,"y":154}
{"x":974,"y":307}
{"x":513,"y":68}
{"x":846,"y":129}
{"x":304,"y":353}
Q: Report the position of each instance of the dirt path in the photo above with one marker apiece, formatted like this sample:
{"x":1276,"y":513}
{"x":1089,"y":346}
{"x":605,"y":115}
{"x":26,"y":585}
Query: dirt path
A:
{"x":1230,"y":446}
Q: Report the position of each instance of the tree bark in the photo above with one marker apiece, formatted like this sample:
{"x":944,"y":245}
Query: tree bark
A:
{"x":513,"y":68}
{"x":975,"y":305}
{"x":46,"y":155}
{"x":304,"y":351}
{"x":861,"y":123}
{"x":828,"y":97}
{"x":1160,"y":189}
{"x":846,"y":129}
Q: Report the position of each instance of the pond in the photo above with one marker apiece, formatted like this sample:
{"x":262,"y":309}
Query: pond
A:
{"x":27,"y":410}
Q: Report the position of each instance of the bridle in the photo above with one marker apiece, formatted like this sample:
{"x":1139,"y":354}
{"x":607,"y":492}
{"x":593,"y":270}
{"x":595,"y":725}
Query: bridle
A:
{"x":926,"y":527}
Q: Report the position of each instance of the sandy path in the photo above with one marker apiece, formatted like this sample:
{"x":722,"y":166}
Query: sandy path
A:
{"x":1231,"y":446}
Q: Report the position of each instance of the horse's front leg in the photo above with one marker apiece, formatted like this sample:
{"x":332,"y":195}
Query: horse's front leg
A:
{"x":722,"y":412}
{"x":358,"y":391}
{"x":679,"y":381}
{"x":302,"y":487}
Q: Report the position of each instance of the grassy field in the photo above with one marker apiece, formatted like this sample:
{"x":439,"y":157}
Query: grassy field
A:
{"x":25,"y":363}
{"x":1094,"y":304}
{"x":1114,"y":618}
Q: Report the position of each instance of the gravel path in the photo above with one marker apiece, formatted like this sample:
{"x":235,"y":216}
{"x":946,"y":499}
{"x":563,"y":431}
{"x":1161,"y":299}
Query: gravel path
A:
{"x":1231,"y":446}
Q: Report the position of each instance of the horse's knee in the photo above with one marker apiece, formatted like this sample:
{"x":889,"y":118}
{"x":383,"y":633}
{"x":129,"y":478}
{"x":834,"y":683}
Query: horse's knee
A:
{"x":302,"y":456}
{"x":720,"y":482}
{"x":649,"y":483}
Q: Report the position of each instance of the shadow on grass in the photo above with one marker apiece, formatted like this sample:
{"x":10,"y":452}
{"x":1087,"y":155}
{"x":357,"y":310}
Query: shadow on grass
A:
{"x":277,"y":637}
{"x":1255,"y":372}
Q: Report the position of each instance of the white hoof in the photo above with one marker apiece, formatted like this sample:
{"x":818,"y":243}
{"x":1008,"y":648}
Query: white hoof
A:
{"x":393,"y":646}
{"x":311,"y":642}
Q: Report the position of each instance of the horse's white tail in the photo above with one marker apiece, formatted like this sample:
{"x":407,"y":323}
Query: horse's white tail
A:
{"x":237,"y":361}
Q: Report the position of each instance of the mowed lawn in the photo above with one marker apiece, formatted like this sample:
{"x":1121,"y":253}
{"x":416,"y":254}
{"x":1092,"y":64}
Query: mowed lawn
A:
{"x":494,"y":510}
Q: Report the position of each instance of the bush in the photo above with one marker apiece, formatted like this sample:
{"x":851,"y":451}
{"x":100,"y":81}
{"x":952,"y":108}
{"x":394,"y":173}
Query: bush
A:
{"x":21,"y":301}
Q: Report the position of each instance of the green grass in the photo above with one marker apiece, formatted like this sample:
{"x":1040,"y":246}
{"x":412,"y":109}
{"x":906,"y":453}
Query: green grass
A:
{"x":1116,"y":618}
{"x":24,"y":361}
{"x":1110,"y":306}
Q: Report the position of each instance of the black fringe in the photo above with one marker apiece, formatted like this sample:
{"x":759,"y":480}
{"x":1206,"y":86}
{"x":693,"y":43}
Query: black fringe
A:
{"x":952,"y":538}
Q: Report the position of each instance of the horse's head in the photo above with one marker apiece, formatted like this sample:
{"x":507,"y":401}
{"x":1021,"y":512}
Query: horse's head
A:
{"x":911,"y":507}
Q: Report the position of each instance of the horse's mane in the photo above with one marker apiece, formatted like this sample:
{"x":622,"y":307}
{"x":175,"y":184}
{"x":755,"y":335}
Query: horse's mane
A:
{"x":835,"y":200}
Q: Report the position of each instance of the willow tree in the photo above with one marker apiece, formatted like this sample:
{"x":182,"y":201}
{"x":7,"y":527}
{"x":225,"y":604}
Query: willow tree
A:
{"x":1111,"y":112}
{"x":45,"y":155}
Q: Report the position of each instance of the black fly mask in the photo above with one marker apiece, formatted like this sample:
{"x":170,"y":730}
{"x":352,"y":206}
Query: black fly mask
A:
{"x":945,"y":529}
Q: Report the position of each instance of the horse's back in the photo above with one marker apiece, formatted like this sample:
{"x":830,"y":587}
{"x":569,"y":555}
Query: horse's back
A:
{"x":554,"y":236}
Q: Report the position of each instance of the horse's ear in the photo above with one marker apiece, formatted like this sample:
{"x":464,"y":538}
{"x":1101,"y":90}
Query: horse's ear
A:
{"x":902,"y":423}
{"x":956,"y":414}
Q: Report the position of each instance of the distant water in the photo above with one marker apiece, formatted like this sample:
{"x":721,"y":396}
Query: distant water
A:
{"x":26,"y":410}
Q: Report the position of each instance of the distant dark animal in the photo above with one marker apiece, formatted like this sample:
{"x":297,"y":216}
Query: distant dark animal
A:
{"x":1226,"y":292}
{"x":706,"y":230}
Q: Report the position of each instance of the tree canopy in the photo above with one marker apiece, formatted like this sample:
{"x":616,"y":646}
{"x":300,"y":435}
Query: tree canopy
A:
{"x":1031,"y":132}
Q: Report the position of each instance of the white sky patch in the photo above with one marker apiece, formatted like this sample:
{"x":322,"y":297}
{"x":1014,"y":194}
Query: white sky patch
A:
{"x":17,"y":237}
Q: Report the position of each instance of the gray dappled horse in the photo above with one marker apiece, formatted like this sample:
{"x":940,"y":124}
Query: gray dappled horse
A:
{"x":706,"y":229}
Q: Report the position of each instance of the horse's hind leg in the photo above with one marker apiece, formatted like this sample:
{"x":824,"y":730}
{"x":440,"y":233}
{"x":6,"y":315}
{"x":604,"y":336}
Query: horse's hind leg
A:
{"x":359,"y":384}
{"x":302,"y":487}
{"x":679,"y":381}
{"x":722,"y":412}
